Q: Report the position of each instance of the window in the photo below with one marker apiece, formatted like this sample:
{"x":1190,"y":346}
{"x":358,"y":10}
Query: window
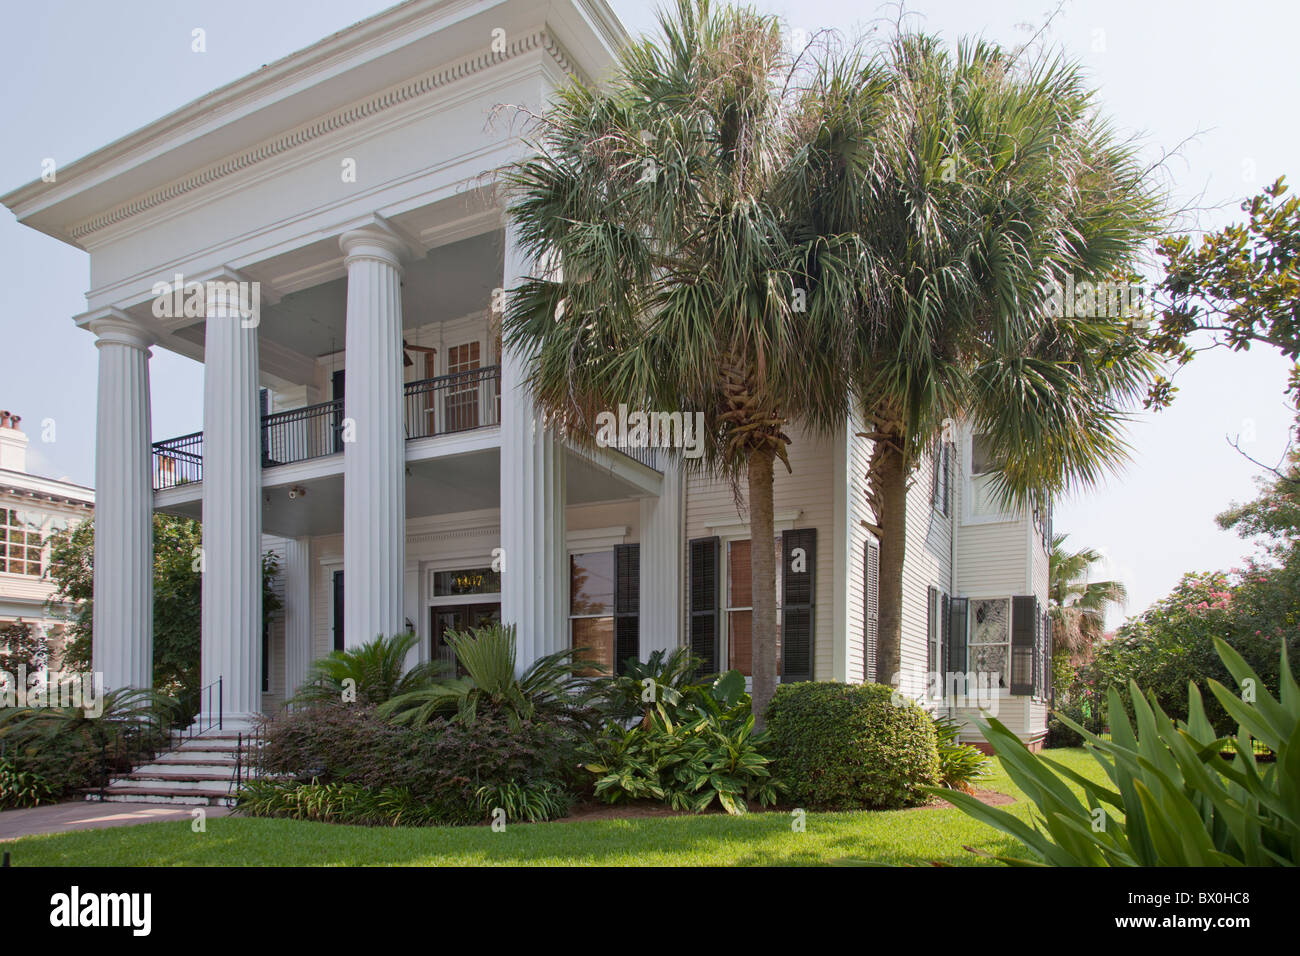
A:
{"x":460,"y":408}
{"x":604,"y":606}
{"x":591,"y":607}
{"x":984,"y":501}
{"x":739,"y":608}
{"x":21,"y":542}
{"x":982,"y":458}
{"x":939,"y":493}
{"x":989,"y":646}
{"x":937,"y":608}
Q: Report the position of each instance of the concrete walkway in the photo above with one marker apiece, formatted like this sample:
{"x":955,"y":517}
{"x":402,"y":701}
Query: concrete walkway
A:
{"x":87,"y":815}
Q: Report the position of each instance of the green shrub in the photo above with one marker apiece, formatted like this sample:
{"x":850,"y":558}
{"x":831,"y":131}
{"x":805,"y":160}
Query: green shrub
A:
{"x":71,"y":751}
{"x":851,"y":746}
{"x":334,"y":803}
{"x":959,"y":764}
{"x":687,"y":766}
{"x":1173,"y":800}
{"x":20,"y":788}
{"x":690,"y":744}
{"x":534,"y":801}
{"x":1255,"y":609}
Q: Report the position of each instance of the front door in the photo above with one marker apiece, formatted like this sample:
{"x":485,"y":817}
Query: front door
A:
{"x":458,"y":617}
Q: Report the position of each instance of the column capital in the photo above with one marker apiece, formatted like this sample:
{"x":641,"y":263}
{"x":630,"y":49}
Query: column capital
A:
{"x":378,"y":239}
{"x":114,"y":327}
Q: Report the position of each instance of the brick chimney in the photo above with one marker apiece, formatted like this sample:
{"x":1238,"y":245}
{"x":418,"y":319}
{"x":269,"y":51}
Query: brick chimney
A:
{"x":13,"y":443}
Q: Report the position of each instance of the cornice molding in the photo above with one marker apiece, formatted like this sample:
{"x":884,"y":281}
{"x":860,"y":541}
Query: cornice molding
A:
{"x":350,"y":115}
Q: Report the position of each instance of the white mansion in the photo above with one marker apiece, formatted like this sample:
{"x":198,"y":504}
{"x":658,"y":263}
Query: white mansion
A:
{"x":33,"y":508}
{"x":361,"y":419}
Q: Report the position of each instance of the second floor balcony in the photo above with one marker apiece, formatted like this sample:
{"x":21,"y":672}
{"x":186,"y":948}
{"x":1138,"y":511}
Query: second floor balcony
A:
{"x":444,"y":405}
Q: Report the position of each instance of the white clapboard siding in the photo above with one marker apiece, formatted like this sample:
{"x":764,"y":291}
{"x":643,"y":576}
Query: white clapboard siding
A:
{"x":807,"y":490}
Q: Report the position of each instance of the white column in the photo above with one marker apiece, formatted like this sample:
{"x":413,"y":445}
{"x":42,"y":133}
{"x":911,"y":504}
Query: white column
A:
{"x":374,"y":460}
{"x":535,"y":574}
{"x":123,"y":612}
{"x":232,"y":517}
{"x":297,"y":613}
{"x":663,"y":556}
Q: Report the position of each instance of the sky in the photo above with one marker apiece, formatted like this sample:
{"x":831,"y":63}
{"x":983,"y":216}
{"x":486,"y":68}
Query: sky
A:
{"x":1197,"y":82}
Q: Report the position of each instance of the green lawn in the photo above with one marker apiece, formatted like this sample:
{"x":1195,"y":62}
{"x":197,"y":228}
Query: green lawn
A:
{"x":906,"y":836}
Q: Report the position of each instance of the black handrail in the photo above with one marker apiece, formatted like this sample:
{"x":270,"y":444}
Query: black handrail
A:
{"x":441,"y":405}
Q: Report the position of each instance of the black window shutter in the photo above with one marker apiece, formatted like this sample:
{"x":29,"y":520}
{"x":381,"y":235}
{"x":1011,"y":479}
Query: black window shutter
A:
{"x":627,"y":605}
{"x":942,"y":639}
{"x":704,"y":592}
{"x":934,"y":477}
{"x":338,"y":610}
{"x":871,"y":609}
{"x":1047,"y":650}
{"x":947,"y":478}
{"x":931,"y":627}
{"x":798,"y":587}
{"x":1024,"y":633}
{"x":958,"y":610}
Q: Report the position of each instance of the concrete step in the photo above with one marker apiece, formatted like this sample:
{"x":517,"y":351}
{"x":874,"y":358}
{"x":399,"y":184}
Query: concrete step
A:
{"x":163,"y":795}
{"x":178,"y":772}
{"x":171,"y":782}
{"x":198,"y":758}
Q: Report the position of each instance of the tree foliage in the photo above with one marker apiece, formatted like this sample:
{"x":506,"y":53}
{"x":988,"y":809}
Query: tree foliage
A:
{"x":1232,"y":288}
{"x":178,"y":593}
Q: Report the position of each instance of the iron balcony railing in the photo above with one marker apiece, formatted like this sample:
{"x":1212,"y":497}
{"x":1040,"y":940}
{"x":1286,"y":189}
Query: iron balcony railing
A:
{"x":443,"y":405}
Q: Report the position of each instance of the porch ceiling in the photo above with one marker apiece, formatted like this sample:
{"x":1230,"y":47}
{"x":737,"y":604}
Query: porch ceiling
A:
{"x":448,"y":282}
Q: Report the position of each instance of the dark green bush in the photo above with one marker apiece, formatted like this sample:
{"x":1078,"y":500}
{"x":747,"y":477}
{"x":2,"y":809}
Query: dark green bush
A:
{"x":851,"y":746}
{"x":442,"y":764}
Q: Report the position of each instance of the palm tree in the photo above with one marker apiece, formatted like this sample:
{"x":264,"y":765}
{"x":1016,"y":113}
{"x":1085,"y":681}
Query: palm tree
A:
{"x":1078,"y":606}
{"x":693,"y":207}
{"x":996,"y":182}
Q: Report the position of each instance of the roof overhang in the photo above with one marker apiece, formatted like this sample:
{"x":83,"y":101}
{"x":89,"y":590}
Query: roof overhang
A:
{"x":237,"y":123}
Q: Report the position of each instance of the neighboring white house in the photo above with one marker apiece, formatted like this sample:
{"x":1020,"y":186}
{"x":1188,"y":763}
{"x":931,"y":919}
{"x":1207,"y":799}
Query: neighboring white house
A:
{"x":365,"y":424}
{"x":32,"y":510}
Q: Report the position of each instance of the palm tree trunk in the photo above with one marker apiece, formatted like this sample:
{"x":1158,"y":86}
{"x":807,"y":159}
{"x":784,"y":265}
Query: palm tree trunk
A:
{"x":887,"y":483}
{"x":762,"y":558}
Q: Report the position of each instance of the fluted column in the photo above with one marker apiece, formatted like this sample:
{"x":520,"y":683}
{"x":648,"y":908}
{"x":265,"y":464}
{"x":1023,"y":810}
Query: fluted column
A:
{"x":374,"y":460}
{"x":297,"y":613}
{"x":232,"y":516}
{"x":123,"y":610}
{"x":535,"y":578}
{"x":663,"y":555}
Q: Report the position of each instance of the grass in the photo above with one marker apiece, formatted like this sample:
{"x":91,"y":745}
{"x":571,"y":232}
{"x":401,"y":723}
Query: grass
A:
{"x":900,"y":837}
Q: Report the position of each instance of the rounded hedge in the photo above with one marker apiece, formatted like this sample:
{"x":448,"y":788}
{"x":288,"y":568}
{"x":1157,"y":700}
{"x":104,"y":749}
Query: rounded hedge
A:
{"x":851,"y":746}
